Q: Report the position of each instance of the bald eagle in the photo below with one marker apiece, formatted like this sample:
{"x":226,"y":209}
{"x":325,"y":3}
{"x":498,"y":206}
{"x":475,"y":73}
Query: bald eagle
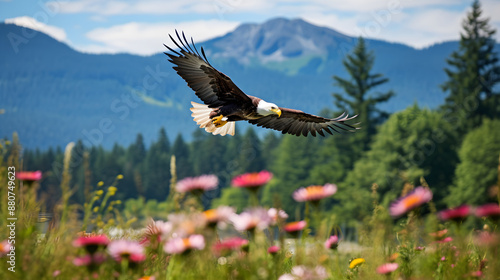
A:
{"x":225,"y":103}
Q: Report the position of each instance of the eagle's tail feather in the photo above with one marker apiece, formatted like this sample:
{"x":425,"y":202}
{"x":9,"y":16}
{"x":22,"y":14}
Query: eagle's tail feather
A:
{"x":201,"y":115}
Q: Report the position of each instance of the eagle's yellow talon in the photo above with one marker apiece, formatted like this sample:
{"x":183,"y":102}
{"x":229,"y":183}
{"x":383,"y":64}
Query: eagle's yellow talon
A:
{"x":218,"y":122}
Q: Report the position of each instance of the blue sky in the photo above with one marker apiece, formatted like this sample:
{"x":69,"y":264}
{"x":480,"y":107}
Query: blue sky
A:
{"x":140,"y":27}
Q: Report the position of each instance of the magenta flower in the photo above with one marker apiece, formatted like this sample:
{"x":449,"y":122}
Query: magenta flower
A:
{"x":183,"y":245}
{"x":488,"y":210}
{"x":294,"y":227}
{"x":154,"y":232}
{"x":314,"y":193}
{"x":197,"y":184}
{"x":252,"y":180}
{"x":29,"y":176}
{"x":251,"y":219}
{"x":92,"y":242}
{"x":332,"y":242}
{"x":131,"y":250}
{"x":456,"y":214}
{"x":414,"y":199}
{"x":273,"y":250}
{"x":387,"y":268}
{"x":228,"y":245}
{"x":277,"y":215}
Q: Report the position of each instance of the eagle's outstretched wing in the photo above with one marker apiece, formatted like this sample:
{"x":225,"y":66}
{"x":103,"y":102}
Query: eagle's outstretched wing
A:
{"x":211,"y":86}
{"x":296,"y":122}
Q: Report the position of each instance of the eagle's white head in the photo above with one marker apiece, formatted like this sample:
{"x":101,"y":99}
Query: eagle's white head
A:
{"x":265,"y":109}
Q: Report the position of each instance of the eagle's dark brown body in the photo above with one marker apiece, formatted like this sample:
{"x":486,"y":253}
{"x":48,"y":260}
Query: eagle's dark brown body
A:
{"x":225,"y":103}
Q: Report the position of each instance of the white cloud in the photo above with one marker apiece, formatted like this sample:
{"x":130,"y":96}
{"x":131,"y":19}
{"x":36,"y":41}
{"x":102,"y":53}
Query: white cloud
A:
{"x":148,"y":38}
{"x":29,"y":22}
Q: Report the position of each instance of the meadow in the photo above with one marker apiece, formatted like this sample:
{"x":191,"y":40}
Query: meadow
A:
{"x":407,"y":239}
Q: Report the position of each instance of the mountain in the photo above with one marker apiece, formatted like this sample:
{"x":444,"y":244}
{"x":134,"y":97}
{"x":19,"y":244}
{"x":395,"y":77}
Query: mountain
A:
{"x":52,"y":94}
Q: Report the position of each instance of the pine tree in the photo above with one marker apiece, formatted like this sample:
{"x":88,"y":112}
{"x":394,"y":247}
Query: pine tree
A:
{"x":359,"y":99}
{"x":472,"y":74}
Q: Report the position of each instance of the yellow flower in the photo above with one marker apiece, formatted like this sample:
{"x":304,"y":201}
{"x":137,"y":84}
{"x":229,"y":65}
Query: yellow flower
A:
{"x":118,"y":202}
{"x":100,"y":184}
{"x":119,"y":177}
{"x":96,"y":209}
{"x":99,"y":192}
{"x":356,"y":262}
{"x":112,"y":190}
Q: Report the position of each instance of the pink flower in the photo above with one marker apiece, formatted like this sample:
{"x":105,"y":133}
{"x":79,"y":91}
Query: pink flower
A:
{"x":273,"y":249}
{"x":251,"y":219}
{"x":295,"y":226}
{"x":154,"y":232}
{"x":455,"y":214}
{"x":228,"y":245}
{"x":126,"y":249}
{"x":485,"y":238}
{"x":488,"y":210}
{"x":29,"y":176}
{"x":219,"y":216}
{"x":92,"y":242}
{"x":277,"y":215}
{"x":444,"y":240}
{"x":332,"y":242}
{"x":4,"y":248}
{"x":387,"y":268}
{"x":252,"y":180}
{"x":414,"y":199}
{"x":197,"y":184}
{"x":181,"y":245}
{"x":439,"y":234}
{"x":314,"y":193}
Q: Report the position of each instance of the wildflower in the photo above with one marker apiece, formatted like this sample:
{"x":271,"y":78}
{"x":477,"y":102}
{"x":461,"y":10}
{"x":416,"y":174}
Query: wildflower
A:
{"x":295,"y":227}
{"x":356,"y":263}
{"x":273,"y":249}
{"x":445,"y":240}
{"x":99,"y":192}
{"x":486,"y":239}
{"x":183,"y":245}
{"x":251,"y":219}
{"x":438,"y":235}
{"x":252,"y":180}
{"x":332,"y":242}
{"x":488,"y":210}
{"x":119,"y":177}
{"x":131,"y":250}
{"x":228,"y":245}
{"x":184,"y":225}
{"x":112,"y":190}
{"x":29,"y":176}
{"x":4,"y":248}
{"x":219,"y":216}
{"x":100,"y":184}
{"x":197,"y":184}
{"x":414,"y":199}
{"x":314,"y":193}
{"x":419,"y":248}
{"x":456,"y":214}
{"x":303,"y":272}
{"x":277,"y":215}
{"x":154,"y":232}
{"x":147,"y":278}
{"x":387,"y":268}
{"x":92,"y":242}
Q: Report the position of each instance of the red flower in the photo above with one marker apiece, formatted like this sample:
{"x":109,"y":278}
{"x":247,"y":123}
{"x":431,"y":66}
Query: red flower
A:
{"x":488,"y":210}
{"x":455,"y":214}
{"x":273,"y":250}
{"x":252,"y":180}
{"x":29,"y":176}
{"x":230,"y":244}
{"x":295,"y":226}
{"x":91,"y":243}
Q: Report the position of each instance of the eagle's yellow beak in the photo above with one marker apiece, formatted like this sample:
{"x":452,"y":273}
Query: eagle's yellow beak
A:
{"x":277,"y":111}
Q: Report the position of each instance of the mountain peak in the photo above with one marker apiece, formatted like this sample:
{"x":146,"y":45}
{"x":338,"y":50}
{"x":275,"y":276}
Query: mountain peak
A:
{"x":277,"y":39}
